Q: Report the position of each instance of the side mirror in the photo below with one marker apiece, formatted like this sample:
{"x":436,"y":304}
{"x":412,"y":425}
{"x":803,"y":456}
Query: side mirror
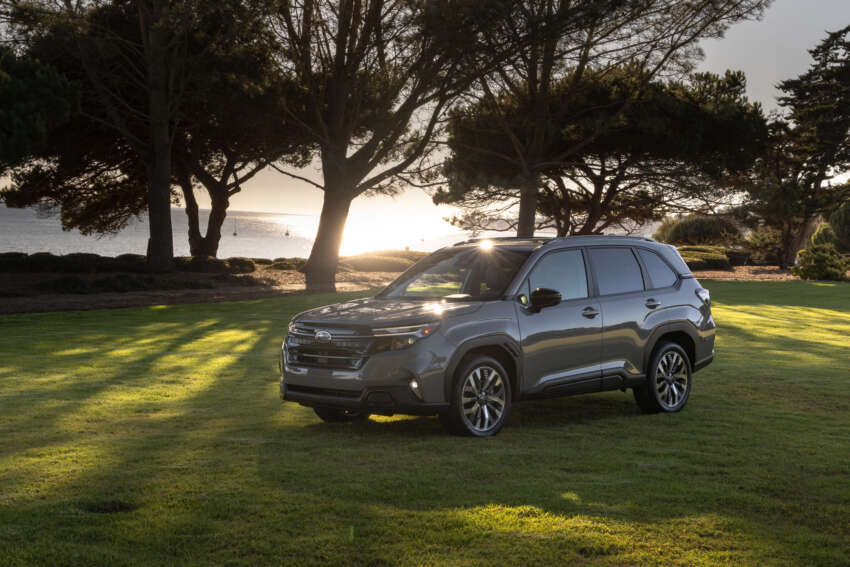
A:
{"x":544,"y":297}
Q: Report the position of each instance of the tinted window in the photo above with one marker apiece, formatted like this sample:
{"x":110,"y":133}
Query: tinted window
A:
{"x":561,"y":271}
{"x":616,"y":269}
{"x":659,"y":272}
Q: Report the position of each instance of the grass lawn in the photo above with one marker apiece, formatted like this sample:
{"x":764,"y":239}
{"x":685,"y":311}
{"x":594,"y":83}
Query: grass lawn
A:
{"x":151,"y":436}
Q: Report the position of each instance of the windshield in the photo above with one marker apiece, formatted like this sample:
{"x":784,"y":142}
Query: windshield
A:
{"x":460,"y":273}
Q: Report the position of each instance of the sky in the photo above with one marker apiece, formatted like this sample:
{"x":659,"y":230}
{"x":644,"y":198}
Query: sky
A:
{"x":769,"y":50}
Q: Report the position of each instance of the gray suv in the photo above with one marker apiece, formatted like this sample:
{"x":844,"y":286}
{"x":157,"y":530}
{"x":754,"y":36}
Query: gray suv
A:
{"x":474,"y":327}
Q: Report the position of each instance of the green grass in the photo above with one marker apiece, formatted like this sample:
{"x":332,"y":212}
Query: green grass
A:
{"x":156,"y":436}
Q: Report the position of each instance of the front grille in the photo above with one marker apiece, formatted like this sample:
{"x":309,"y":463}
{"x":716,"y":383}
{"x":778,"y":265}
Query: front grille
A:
{"x":347,"y":348}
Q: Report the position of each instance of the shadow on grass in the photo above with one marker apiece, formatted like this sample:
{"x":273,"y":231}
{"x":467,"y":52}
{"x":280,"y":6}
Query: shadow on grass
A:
{"x":206,"y":466}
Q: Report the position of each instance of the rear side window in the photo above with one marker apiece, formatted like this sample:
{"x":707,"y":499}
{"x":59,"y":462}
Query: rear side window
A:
{"x":616,"y":269}
{"x":659,"y":272}
{"x":562,"y":271}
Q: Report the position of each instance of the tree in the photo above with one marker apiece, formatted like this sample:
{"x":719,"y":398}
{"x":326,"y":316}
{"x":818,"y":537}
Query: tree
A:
{"x":649,"y":37}
{"x":228,"y":129}
{"x":135,"y":81}
{"x":34,"y":97}
{"x":660,"y":155}
{"x":376,"y":77}
{"x":790,"y":187}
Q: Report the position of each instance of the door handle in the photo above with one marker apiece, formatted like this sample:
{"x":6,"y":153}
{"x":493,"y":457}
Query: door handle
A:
{"x":652,"y":303}
{"x":589,"y":312}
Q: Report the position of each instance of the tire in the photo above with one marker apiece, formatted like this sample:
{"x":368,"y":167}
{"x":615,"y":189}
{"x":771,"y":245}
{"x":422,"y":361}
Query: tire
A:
{"x":337,"y":415}
{"x":466,"y":415}
{"x":668,"y":381}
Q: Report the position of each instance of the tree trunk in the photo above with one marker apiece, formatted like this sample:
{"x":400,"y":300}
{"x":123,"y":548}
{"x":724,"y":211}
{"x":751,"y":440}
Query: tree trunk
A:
{"x":195,"y":238}
{"x":218,"y":213}
{"x":796,"y":242}
{"x":202,"y":246}
{"x":320,"y":269}
{"x":527,"y":208}
{"x":160,"y":245}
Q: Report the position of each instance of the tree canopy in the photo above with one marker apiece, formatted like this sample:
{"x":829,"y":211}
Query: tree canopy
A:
{"x":655,"y":156}
{"x":790,"y":187}
{"x":34,"y":98}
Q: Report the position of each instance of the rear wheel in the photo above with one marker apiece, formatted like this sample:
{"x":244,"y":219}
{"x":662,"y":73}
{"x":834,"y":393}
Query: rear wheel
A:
{"x":668,"y":381}
{"x":481,"y":398}
{"x":337,"y":415}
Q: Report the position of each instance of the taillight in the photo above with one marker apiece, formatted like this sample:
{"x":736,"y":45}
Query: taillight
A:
{"x":704,"y":296}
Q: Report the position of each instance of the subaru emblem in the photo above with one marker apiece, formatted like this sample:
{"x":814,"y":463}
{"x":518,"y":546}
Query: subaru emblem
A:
{"x":323,"y":336}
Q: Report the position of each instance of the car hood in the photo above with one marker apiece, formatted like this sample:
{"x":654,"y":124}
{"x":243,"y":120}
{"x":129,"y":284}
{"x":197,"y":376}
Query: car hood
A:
{"x":373,"y":312}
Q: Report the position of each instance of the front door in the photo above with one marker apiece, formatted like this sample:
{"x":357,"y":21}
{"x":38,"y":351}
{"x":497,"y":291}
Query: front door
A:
{"x":562,"y":345}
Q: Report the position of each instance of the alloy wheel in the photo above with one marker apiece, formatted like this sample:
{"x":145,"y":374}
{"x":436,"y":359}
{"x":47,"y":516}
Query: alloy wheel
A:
{"x":671,"y":380}
{"x":483,"y":398}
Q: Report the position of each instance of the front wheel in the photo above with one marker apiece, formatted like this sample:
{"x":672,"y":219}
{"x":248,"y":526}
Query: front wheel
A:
{"x":668,"y":381}
{"x":481,"y":398}
{"x":336,"y":415}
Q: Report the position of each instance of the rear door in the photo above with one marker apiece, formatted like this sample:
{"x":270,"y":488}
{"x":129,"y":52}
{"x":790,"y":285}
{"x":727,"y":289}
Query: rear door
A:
{"x":561,"y":344}
{"x":620,"y":283}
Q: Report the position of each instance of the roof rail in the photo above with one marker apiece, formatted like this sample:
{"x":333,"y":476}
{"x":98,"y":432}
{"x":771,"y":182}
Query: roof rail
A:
{"x":506,"y":238}
{"x":626,"y":236}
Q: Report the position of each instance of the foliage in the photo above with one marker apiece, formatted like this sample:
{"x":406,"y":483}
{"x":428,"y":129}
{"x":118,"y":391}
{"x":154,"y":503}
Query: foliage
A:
{"x":733,"y":256}
{"x":150,"y":424}
{"x":821,"y":262}
{"x":232,"y":124}
{"x":241,"y":265}
{"x":516,"y":121}
{"x":789,"y":187}
{"x":288,"y":264}
{"x":93,"y":263}
{"x":34,"y":97}
{"x":839,"y":220}
{"x":697,"y":229}
{"x":636,"y":170}
{"x":823,"y":235}
{"x":118,"y":283}
{"x":662,"y":233}
{"x":705,"y":259}
{"x":765,"y":244}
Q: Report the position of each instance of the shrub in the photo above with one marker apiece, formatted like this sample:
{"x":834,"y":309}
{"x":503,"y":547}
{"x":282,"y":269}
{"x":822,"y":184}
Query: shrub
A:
{"x":241,"y":265}
{"x":820,"y":262}
{"x":765,"y":246}
{"x":823,"y":235}
{"x":12,"y":261}
{"x":263,"y":261}
{"x":206,"y":265}
{"x":118,"y":283}
{"x":737,"y":257}
{"x":375,"y":263}
{"x":705,"y":257}
{"x":126,"y":263}
{"x":703,"y":230}
{"x":44,"y":262}
{"x":662,"y":234}
{"x":81,"y":262}
{"x":288,"y":264}
{"x":840,"y":223}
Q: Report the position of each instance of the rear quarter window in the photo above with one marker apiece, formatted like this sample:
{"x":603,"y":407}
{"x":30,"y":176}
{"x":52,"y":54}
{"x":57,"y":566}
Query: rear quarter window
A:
{"x":660,"y":274}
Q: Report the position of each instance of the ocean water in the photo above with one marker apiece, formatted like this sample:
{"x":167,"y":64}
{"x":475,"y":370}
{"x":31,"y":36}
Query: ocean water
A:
{"x":258,"y":235}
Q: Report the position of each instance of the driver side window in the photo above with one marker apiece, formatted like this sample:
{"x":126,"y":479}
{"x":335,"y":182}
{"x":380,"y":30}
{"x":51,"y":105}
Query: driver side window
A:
{"x":562,"y":271}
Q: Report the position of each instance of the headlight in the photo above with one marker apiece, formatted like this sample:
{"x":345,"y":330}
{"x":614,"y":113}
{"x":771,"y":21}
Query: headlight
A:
{"x":397,"y":338}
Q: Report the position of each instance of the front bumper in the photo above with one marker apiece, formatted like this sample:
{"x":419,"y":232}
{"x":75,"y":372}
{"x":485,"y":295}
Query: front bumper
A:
{"x":383,"y":400}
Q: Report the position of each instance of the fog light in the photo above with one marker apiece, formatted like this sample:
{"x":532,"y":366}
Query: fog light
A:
{"x":414,"y":385}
